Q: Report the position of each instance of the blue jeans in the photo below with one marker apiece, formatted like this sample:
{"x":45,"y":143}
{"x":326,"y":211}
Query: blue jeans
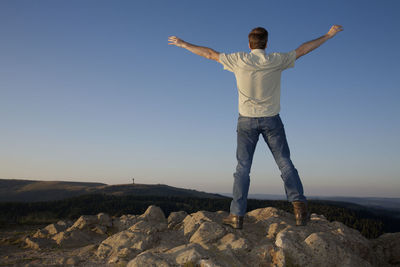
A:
{"x":272,"y":130}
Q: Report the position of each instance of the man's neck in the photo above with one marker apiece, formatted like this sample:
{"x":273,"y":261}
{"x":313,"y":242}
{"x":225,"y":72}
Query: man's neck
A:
{"x":257,"y":49}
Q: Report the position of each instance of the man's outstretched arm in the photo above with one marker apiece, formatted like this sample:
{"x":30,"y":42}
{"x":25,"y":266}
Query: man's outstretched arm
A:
{"x":311,"y":45}
{"x":198,"y":50}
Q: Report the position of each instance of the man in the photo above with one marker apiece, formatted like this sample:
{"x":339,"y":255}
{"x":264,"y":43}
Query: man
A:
{"x":258,"y":77}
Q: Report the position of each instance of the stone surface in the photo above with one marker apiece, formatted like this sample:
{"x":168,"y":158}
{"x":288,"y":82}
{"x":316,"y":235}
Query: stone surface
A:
{"x":41,"y":233}
{"x":104,"y":220}
{"x":71,"y":239}
{"x":85,"y":251}
{"x":148,"y":227}
{"x":124,"y":222}
{"x":207,"y":232}
{"x":85,"y":221}
{"x":153,"y":213}
{"x":124,"y":244}
{"x":55,"y":228}
{"x":72,"y":260}
{"x":176,"y":218}
{"x":269,"y":238}
{"x":193,"y":221}
{"x":387,"y":246}
{"x":37,"y":243}
{"x":149,"y":259}
{"x":233,"y":242}
{"x":187,"y":253}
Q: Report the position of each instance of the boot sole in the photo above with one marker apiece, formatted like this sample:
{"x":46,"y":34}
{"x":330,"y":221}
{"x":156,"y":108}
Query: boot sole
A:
{"x":233,"y":226}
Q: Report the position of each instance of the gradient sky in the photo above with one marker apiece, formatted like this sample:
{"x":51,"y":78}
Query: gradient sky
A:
{"x":90,"y":91}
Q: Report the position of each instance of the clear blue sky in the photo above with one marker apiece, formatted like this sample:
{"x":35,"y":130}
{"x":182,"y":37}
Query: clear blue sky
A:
{"x":90,"y":91}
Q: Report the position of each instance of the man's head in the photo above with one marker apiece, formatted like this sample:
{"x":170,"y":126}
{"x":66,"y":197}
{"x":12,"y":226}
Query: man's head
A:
{"x":258,"y":38}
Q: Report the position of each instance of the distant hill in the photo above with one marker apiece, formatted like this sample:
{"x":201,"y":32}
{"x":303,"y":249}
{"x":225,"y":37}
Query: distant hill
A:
{"x":12,"y":190}
{"x":372,"y":202}
{"x":387,"y":203}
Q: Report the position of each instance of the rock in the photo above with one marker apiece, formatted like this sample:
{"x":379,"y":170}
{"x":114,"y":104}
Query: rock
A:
{"x":98,"y":224}
{"x":104,"y":220}
{"x":269,"y":238}
{"x":90,"y":222}
{"x":76,"y":238}
{"x":291,"y":242}
{"x":34,"y":263}
{"x":351,"y":239}
{"x":321,"y":248}
{"x":326,"y":251}
{"x":86,"y":230}
{"x":85,"y":251}
{"x":153,"y":213}
{"x":176,"y":218}
{"x":124,"y":244}
{"x":41,"y":233}
{"x":65,"y":224}
{"x":208,"y":263}
{"x":61,"y":261}
{"x":207,"y":232}
{"x":267,"y":253}
{"x":185,"y":255}
{"x":275,"y":228}
{"x":315,"y":217}
{"x":188,"y":253}
{"x":99,"y":229}
{"x":37,"y":243}
{"x":193,"y":221}
{"x":124,"y":222}
{"x":266,"y":213}
{"x":72,"y":260}
{"x":32,"y":243}
{"x":233,"y":242}
{"x":387,"y":246}
{"x":149,"y":259}
{"x":149,"y":227}
{"x":53,"y":229}
{"x":85,"y":221}
{"x":65,"y":261}
{"x":169,"y":239}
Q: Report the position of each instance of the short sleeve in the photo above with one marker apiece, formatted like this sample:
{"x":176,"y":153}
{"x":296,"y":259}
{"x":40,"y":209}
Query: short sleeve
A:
{"x":229,"y":61}
{"x":288,"y":59}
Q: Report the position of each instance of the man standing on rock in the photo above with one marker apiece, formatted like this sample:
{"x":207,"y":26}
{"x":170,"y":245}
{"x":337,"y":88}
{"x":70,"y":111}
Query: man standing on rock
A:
{"x":258,"y":77}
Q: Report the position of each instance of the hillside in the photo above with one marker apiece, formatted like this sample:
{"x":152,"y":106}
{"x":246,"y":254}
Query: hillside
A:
{"x":36,"y":191}
{"x":387,"y":203}
{"x":30,"y":191}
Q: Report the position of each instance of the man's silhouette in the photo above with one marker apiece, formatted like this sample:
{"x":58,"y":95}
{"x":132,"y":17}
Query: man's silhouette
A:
{"x":258,"y":77}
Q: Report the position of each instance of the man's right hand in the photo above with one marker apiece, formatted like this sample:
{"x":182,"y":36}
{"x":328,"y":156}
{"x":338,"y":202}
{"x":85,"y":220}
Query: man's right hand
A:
{"x":334,"y":30}
{"x":173,"y":40}
{"x":198,"y":50}
{"x":311,"y":45}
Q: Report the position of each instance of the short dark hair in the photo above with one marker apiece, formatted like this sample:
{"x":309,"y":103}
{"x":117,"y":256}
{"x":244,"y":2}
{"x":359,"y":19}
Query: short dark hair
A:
{"x":258,"y":38}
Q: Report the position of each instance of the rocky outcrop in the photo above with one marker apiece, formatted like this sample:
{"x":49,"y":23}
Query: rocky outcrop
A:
{"x":387,"y":247}
{"x":269,"y":238}
{"x":88,"y":229}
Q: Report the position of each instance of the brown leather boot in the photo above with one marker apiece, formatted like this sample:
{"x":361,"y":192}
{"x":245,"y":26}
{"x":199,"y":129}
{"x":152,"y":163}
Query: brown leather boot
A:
{"x":300,"y":213}
{"x":234,"y":221}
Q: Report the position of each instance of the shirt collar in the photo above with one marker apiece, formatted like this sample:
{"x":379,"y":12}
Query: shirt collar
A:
{"x":258,"y":51}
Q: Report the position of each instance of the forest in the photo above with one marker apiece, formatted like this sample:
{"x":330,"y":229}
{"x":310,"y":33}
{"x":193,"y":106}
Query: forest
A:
{"x":371,"y":223}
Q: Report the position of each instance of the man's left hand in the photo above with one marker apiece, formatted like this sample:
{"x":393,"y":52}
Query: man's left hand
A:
{"x":173,"y":40}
